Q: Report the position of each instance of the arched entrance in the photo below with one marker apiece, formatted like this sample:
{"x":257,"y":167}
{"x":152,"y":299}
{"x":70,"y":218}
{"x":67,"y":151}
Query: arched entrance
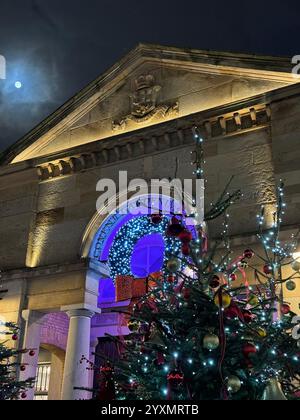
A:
{"x":125,"y":244}
{"x":130,"y":244}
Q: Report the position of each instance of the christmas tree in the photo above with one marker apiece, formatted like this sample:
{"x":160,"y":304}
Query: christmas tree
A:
{"x":10,"y":387}
{"x":198,"y":334}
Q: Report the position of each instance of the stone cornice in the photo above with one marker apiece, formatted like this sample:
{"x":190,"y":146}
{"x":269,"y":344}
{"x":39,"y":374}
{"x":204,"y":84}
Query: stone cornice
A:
{"x":227,"y":120}
{"x":217,"y":58}
{"x":242,"y":107}
{"x":154,"y":140}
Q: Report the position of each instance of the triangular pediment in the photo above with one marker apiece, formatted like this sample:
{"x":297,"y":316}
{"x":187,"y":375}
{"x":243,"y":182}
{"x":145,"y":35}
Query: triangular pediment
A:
{"x":150,"y":85}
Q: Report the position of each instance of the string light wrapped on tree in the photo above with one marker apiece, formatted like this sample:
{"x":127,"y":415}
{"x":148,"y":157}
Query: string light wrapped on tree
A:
{"x":215,"y":339}
{"x":10,"y":387}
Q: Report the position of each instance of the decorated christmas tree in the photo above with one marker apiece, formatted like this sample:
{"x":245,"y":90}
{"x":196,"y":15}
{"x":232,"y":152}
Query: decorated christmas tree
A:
{"x":200,"y":333}
{"x":10,"y":387}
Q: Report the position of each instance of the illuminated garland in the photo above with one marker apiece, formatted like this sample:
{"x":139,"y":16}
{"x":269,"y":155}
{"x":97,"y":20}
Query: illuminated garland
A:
{"x":127,"y":237}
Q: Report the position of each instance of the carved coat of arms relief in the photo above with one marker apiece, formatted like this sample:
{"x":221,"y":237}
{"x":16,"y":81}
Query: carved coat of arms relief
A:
{"x":144,"y":108}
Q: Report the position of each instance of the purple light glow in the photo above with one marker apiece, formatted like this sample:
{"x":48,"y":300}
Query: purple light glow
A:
{"x":107,"y":291}
{"x":148,"y":256}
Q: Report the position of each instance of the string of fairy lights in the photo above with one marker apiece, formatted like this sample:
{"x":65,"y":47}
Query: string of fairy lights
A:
{"x":128,"y":236}
{"x":258,"y":305}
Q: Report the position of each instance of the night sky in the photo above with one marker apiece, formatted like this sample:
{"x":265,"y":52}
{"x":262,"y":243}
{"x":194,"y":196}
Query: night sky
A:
{"x":55,"y":47}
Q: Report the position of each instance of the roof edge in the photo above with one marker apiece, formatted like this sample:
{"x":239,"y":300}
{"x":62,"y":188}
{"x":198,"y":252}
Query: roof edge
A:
{"x":150,"y":51}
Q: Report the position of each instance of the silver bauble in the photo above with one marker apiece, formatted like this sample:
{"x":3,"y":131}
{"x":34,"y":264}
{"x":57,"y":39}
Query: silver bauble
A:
{"x":211,"y":342}
{"x":273,"y":391}
{"x":234,"y":384}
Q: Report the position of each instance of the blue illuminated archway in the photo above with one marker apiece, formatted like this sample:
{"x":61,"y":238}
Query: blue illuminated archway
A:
{"x":113,"y":227}
{"x":120,"y":255}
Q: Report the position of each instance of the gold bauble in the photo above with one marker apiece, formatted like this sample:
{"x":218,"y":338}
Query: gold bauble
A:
{"x":262,"y":332}
{"x":234,"y":384}
{"x":173,"y":265}
{"x":133,"y":325}
{"x":211,"y":342}
{"x":225,"y":300}
{"x":273,"y":391}
{"x":253,"y":300}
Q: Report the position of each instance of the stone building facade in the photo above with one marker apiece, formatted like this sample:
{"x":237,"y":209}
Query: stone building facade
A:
{"x":136,"y":117}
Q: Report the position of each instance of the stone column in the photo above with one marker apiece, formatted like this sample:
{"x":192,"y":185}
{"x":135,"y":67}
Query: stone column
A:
{"x":78,"y":345}
{"x":32,"y":340}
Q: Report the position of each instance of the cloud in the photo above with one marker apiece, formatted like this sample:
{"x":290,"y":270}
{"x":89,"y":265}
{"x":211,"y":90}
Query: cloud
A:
{"x":21,"y":109}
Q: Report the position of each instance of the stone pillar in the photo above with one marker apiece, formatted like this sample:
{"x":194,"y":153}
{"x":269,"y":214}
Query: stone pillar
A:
{"x":79,"y":336}
{"x":32,"y":340}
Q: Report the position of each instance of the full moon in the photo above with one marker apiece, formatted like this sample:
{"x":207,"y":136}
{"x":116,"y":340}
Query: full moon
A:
{"x":18,"y":85}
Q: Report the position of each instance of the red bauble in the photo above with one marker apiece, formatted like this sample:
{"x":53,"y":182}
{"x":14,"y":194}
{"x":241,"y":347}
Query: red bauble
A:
{"x":285,"y":309}
{"x":233,"y":277}
{"x":186,"y":293}
{"x":171,"y":279}
{"x":23,"y":395}
{"x":297,"y":394}
{"x":14,"y":337}
{"x":267,"y":269}
{"x":32,"y":353}
{"x":248,"y":317}
{"x":22,"y":368}
{"x":248,"y":254}
{"x":185,"y":236}
{"x":232,"y":312}
{"x":214,"y":283}
{"x":175,"y":228}
{"x":249,"y":349}
{"x":185,"y":249}
{"x":156,"y":219}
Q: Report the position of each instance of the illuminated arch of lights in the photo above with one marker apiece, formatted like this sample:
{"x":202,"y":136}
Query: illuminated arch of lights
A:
{"x":127,"y":237}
